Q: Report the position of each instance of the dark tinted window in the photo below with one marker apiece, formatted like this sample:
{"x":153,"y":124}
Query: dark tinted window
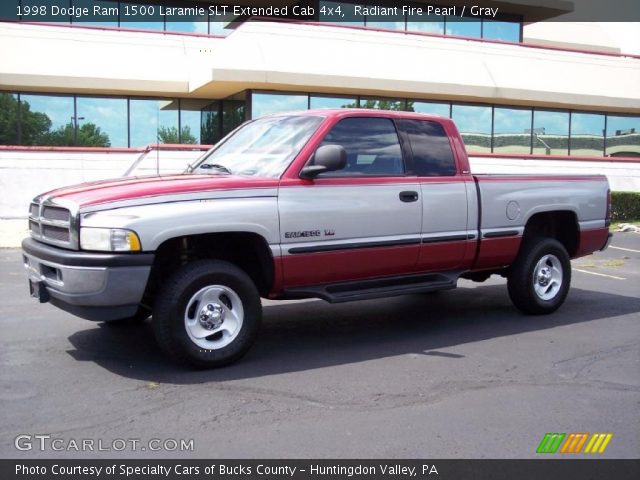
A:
{"x":372,"y":146}
{"x":432,"y":155}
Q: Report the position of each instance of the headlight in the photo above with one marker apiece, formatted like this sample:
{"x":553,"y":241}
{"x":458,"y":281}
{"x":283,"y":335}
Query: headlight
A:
{"x":109,"y":240}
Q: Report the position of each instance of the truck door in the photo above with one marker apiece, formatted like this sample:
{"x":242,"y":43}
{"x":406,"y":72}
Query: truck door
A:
{"x":448,"y":238}
{"x":359,"y":222}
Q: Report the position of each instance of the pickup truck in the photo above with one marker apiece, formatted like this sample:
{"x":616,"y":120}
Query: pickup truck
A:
{"x":339,"y":205}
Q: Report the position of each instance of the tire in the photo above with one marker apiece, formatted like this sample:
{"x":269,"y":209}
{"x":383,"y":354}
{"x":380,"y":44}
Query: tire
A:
{"x":201,"y":297}
{"x":140,"y":316}
{"x":539,"y":279}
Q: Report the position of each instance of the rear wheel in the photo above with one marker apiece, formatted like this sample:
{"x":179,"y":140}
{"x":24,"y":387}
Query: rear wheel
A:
{"x":539,"y":279}
{"x":207,"y":314}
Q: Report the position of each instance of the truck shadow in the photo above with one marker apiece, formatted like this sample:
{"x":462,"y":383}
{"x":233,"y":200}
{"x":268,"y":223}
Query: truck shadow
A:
{"x":314,"y":334}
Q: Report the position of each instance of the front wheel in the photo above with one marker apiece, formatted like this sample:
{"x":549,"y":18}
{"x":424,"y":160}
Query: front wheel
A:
{"x":207,"y":314}
{"x":539,"y":279}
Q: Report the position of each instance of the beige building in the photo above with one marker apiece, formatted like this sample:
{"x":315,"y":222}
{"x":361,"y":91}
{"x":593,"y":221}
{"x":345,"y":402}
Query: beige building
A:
{"x":81,"y":96}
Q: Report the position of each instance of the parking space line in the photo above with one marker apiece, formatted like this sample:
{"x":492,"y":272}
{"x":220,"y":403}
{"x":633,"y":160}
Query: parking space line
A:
{"x":625,"y":249}
{"x":599,"y":274}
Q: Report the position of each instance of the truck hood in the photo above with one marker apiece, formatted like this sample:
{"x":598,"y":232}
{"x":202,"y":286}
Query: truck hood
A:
{"x":137,"y":189}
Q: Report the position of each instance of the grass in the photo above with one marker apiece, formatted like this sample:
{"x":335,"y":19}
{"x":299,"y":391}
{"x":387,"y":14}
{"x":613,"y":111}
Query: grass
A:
{"x":616,"y":225}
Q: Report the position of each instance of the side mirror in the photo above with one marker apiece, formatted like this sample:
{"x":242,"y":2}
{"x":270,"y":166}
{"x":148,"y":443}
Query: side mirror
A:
{"x":327,"y":158}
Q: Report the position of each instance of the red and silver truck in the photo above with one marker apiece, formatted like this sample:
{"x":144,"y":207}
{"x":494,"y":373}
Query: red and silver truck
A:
{"x":340,"y":205}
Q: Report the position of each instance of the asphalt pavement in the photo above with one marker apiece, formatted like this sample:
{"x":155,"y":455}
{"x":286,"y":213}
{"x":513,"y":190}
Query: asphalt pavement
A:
{"x":457,"y":374}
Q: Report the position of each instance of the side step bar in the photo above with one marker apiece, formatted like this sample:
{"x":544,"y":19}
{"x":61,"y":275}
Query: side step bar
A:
{"x":376,"y":288}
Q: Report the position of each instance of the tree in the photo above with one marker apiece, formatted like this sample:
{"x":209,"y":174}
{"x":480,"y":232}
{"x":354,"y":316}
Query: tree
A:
{"x":397,"y":105}
{"x":170,"y":135}
{"x":88,"y":135}
{"x":34,"y":125}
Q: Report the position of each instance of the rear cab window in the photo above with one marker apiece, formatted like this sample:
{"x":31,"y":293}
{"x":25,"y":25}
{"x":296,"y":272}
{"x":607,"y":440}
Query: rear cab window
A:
{"x":430,"y":148}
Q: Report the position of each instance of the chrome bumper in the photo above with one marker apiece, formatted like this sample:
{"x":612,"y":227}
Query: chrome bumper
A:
{"x":92,"y":286}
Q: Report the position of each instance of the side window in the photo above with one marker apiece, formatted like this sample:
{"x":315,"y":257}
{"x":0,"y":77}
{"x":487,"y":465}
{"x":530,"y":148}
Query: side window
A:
{"x":371,"y":144}
{"x":432,"y":155}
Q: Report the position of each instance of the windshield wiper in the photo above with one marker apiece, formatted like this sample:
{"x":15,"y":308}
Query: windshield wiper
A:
{"x":208,"y":166}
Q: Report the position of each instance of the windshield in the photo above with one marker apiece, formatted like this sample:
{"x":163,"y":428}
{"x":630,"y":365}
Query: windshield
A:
{"x":262,"y":148}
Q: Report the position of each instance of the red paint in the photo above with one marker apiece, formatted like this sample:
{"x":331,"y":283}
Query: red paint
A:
{"x":341,"y":266}
{"x":278,"y":278}
{"x":497,"y":252}
{"x":577,"y":158}
{"x":442,"y":256}
{"x":591,"y":241}
{"x":150,"y":186}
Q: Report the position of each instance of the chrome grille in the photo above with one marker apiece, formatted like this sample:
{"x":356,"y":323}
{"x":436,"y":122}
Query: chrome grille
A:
{"x":55,"y":233}
{"x":55,"y":213}
{"x":51,"y":223}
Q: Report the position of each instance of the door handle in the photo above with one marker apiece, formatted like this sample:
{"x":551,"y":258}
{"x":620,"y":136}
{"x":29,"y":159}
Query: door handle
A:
{"x":409,"y":196}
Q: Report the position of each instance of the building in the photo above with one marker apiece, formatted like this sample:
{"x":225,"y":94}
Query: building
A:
{"x":82,"y":96}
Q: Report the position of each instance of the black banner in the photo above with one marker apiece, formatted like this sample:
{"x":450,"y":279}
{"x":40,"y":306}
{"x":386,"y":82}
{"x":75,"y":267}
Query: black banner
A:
{"x":347,"y":11}
{"x":550,"y":469}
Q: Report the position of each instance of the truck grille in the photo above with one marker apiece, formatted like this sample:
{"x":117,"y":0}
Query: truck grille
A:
{"x":51,"y":224}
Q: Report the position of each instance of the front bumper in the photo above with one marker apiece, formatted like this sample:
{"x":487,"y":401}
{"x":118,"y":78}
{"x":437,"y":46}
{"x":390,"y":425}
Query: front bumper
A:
{"x":95,"y":286}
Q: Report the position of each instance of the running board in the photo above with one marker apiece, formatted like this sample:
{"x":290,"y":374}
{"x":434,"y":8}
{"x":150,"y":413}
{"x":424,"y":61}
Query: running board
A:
{"x":376,"y":288}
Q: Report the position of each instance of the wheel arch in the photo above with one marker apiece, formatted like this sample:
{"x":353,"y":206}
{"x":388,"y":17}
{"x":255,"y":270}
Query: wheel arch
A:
{"x":561,"y":225}
{"x":249,"y":251}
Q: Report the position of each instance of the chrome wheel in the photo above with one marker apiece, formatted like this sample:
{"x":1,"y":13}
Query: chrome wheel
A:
{"x":213,"y":317}
{"x":547,"y":277}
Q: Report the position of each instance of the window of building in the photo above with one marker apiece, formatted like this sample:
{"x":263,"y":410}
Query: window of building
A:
{"x":9,"y":119}
{"x":474,"y":124}
{"x":442,"y":109}
{"x":430,"y":148}
{"x":550,"y":134}
{"x":9,"y":10}
{"x":141,"y":15}
{"x":211,"y":123}
{"x":426,"y":23}
{"x":501,"y":30}
{"x":587,"y":134}
{"x":623,"y":136}
{"x":511,"y":130}
{"x":153,"y":121}
{"x":339,"y":12}
{"x":218,"y":23}
{"x":190,"y":118}
{"x":47,"y":120}
{"x":371,"y":144}
{"x":463,"y":27}
{"x":383,"y":103}
{"x":101,"y":122}
{"x":105,"y":6}
{"x":391,"y":22}
{"x":187,"y":23}
{"x":266,"y":103}
{"x":320,"y":101}
{"x":233,"y":112}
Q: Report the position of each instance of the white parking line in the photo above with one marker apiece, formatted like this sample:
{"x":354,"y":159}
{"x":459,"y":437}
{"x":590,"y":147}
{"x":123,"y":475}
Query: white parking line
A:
{"x":599,"y":274}
{"x":625,"y":249}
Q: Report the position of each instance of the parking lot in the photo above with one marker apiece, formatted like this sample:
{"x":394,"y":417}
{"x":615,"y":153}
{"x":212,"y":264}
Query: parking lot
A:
{"x":450,"y":375}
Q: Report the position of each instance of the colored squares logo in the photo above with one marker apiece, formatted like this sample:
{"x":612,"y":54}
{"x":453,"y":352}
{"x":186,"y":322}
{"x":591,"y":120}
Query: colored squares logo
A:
{"x":574,"y":443}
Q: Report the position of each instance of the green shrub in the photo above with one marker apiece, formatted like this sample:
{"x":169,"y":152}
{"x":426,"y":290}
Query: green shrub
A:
{"x":625,"y":206}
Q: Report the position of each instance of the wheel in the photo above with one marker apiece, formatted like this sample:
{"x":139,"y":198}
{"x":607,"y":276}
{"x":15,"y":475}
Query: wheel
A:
{"x":539,"y":279}
{"x":140,"y":316}
{"x":207,"y":314}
